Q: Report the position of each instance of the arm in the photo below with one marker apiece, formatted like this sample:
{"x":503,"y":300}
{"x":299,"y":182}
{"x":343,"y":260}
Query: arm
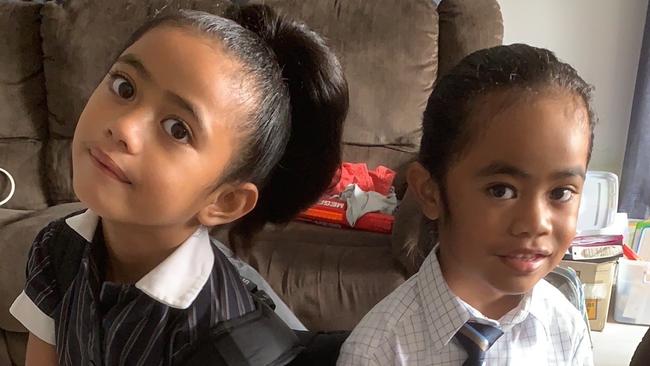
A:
{"x":40,"y":353}
{"x":353,"y":354}
{"x":642,"y":353}
{"x":583,"y":354}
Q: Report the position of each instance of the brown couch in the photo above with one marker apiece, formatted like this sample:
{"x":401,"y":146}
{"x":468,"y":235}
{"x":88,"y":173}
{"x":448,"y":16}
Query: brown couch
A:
{"x":52,"y":55}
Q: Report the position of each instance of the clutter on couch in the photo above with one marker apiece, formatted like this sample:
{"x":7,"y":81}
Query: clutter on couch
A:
{"x":360,"y":199}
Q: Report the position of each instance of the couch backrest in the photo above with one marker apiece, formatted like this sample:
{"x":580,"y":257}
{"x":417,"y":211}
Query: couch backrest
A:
{"x":22,"y":104}
{"x":390,"y":51}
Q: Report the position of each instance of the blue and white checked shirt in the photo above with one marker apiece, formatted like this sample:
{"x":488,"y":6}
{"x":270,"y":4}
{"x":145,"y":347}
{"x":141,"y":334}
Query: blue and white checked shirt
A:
{"x":415,"y":326}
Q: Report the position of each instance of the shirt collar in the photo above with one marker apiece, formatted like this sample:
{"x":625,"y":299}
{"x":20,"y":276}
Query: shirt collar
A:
{"x":538,"y":307}
{"x":177,"y":280}
{"x":446,"y":313}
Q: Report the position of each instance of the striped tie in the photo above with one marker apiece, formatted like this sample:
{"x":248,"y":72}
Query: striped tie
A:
{"x":476,"y":339}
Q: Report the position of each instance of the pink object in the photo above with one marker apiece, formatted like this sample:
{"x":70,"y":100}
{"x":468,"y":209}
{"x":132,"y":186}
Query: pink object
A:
{"x":379,"y":180}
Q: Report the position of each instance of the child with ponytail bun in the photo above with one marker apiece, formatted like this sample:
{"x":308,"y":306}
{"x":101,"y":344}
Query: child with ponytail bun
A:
{"x":201,"y":121}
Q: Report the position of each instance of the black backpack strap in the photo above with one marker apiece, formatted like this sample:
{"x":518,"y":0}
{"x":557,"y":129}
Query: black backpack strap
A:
{"x":258,"y":338}
{"x":261,"y":295}
{"x":66,"y":251}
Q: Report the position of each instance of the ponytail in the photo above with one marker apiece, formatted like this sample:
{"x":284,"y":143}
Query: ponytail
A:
{"x":318,"y":96}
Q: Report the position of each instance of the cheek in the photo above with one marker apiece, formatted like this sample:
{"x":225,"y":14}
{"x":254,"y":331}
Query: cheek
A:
{"x":95,"y":111}
{"x":565,"y":228}
{"x":172,"y":177}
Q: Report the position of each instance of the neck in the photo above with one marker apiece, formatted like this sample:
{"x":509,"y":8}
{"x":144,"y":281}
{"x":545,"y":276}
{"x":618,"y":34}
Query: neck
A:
{"x":475,"y":292}
{"x":134,"y":250}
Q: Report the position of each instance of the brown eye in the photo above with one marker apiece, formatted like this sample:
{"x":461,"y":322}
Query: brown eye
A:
{"x":177,"y":130}
{"x":122,"y":87}
{"x":561,"y":194}
{"x":502,"y":192}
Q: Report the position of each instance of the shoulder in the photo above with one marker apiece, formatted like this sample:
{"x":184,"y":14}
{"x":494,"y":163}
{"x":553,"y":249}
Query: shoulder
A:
{"x":36,"y":305}
{"x":55,"y":230}
{"x":47,"y":241}
{"x":227,"y":288}
{"x":380,"y":328}
{"x":556,"y":312}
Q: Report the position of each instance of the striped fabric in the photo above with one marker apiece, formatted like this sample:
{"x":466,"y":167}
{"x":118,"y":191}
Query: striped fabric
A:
{"x":156,"y":321}
{"x":476,"y":339}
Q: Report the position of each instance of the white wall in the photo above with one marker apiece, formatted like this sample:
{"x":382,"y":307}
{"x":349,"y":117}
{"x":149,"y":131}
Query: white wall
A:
{"x":602,"y":40}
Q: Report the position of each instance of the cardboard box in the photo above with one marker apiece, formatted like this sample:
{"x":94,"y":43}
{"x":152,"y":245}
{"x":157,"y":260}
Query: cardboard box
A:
{"x":598,"y":279}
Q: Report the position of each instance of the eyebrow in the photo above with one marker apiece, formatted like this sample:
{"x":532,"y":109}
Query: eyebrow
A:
{"x":183,"y":103}
{"x":502,"y":168}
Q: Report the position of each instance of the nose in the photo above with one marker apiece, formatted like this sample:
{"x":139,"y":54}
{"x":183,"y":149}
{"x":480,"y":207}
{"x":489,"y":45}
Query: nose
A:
{"x":128,"y":130}
{"x":532,"y":218}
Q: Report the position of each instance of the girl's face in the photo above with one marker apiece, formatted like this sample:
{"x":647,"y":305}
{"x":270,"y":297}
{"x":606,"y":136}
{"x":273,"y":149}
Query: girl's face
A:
{"x":156,"y":134}
{"x":513,"y":196}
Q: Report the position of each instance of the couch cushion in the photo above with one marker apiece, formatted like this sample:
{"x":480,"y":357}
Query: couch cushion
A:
{"x":467,"y":26}
{"x":329,"y":277}
{"x":22,"y":158}
{"x":22,"y":93}
{"x":389,"y":52}
{"x":59,"y":163}
{"x":17,"y":344}
{"x":7,"y":216}
{"x":15,"y":240}
{"x":22,"y":104}
{"x":4,"y":350}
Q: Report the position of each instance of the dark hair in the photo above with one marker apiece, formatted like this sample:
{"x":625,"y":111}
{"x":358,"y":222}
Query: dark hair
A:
{"x":446,"y":128}
{"x":291,"y":142}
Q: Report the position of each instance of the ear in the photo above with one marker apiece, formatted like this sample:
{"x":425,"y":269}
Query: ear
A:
{"x":228,"y":203}
{"x":426,"y":190}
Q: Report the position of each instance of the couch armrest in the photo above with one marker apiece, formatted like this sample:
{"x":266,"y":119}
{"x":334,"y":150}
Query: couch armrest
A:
{"x":466,"y":26}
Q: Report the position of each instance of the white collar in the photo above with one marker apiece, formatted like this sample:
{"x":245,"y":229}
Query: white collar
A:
{"x":177,"y":280}
{"x":446,"y":313}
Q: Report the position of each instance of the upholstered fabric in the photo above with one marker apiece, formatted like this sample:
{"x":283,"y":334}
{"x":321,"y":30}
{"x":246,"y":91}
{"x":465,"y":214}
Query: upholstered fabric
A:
{"x":15,"y":347}
{"x":22,"y":104}
{"x":23,"y":159}
{"x":329,"y":277}
{"x":467,"y":26}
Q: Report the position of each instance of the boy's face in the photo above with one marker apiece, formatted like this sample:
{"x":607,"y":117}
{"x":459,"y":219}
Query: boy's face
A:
{"x":156,"y":134}
{"x":513,"y":196}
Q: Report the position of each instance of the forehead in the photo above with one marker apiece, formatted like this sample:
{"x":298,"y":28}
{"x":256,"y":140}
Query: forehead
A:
{"x":535,"y":131}
{"x":190,"y":65}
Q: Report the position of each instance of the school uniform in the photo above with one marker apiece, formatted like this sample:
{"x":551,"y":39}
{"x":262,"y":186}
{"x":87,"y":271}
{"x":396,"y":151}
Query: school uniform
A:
{"x":418,"y":324}
{"x":159,"y":320}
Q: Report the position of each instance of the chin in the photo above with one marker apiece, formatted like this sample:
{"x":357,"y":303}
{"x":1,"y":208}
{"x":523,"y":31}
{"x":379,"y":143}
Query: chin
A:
{"x":516,"y":286}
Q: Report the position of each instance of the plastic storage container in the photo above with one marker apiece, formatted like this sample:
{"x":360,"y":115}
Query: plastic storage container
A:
{"x":599,"y":203}
{"x":632,"y":302}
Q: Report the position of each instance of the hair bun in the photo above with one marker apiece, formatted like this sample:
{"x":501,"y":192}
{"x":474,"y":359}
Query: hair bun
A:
{"x":318,"y":98}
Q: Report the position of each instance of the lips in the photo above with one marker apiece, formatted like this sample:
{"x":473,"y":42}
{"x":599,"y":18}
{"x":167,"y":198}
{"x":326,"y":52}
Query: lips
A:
{"x":107,"y":165}
{"x":525,"y":261}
